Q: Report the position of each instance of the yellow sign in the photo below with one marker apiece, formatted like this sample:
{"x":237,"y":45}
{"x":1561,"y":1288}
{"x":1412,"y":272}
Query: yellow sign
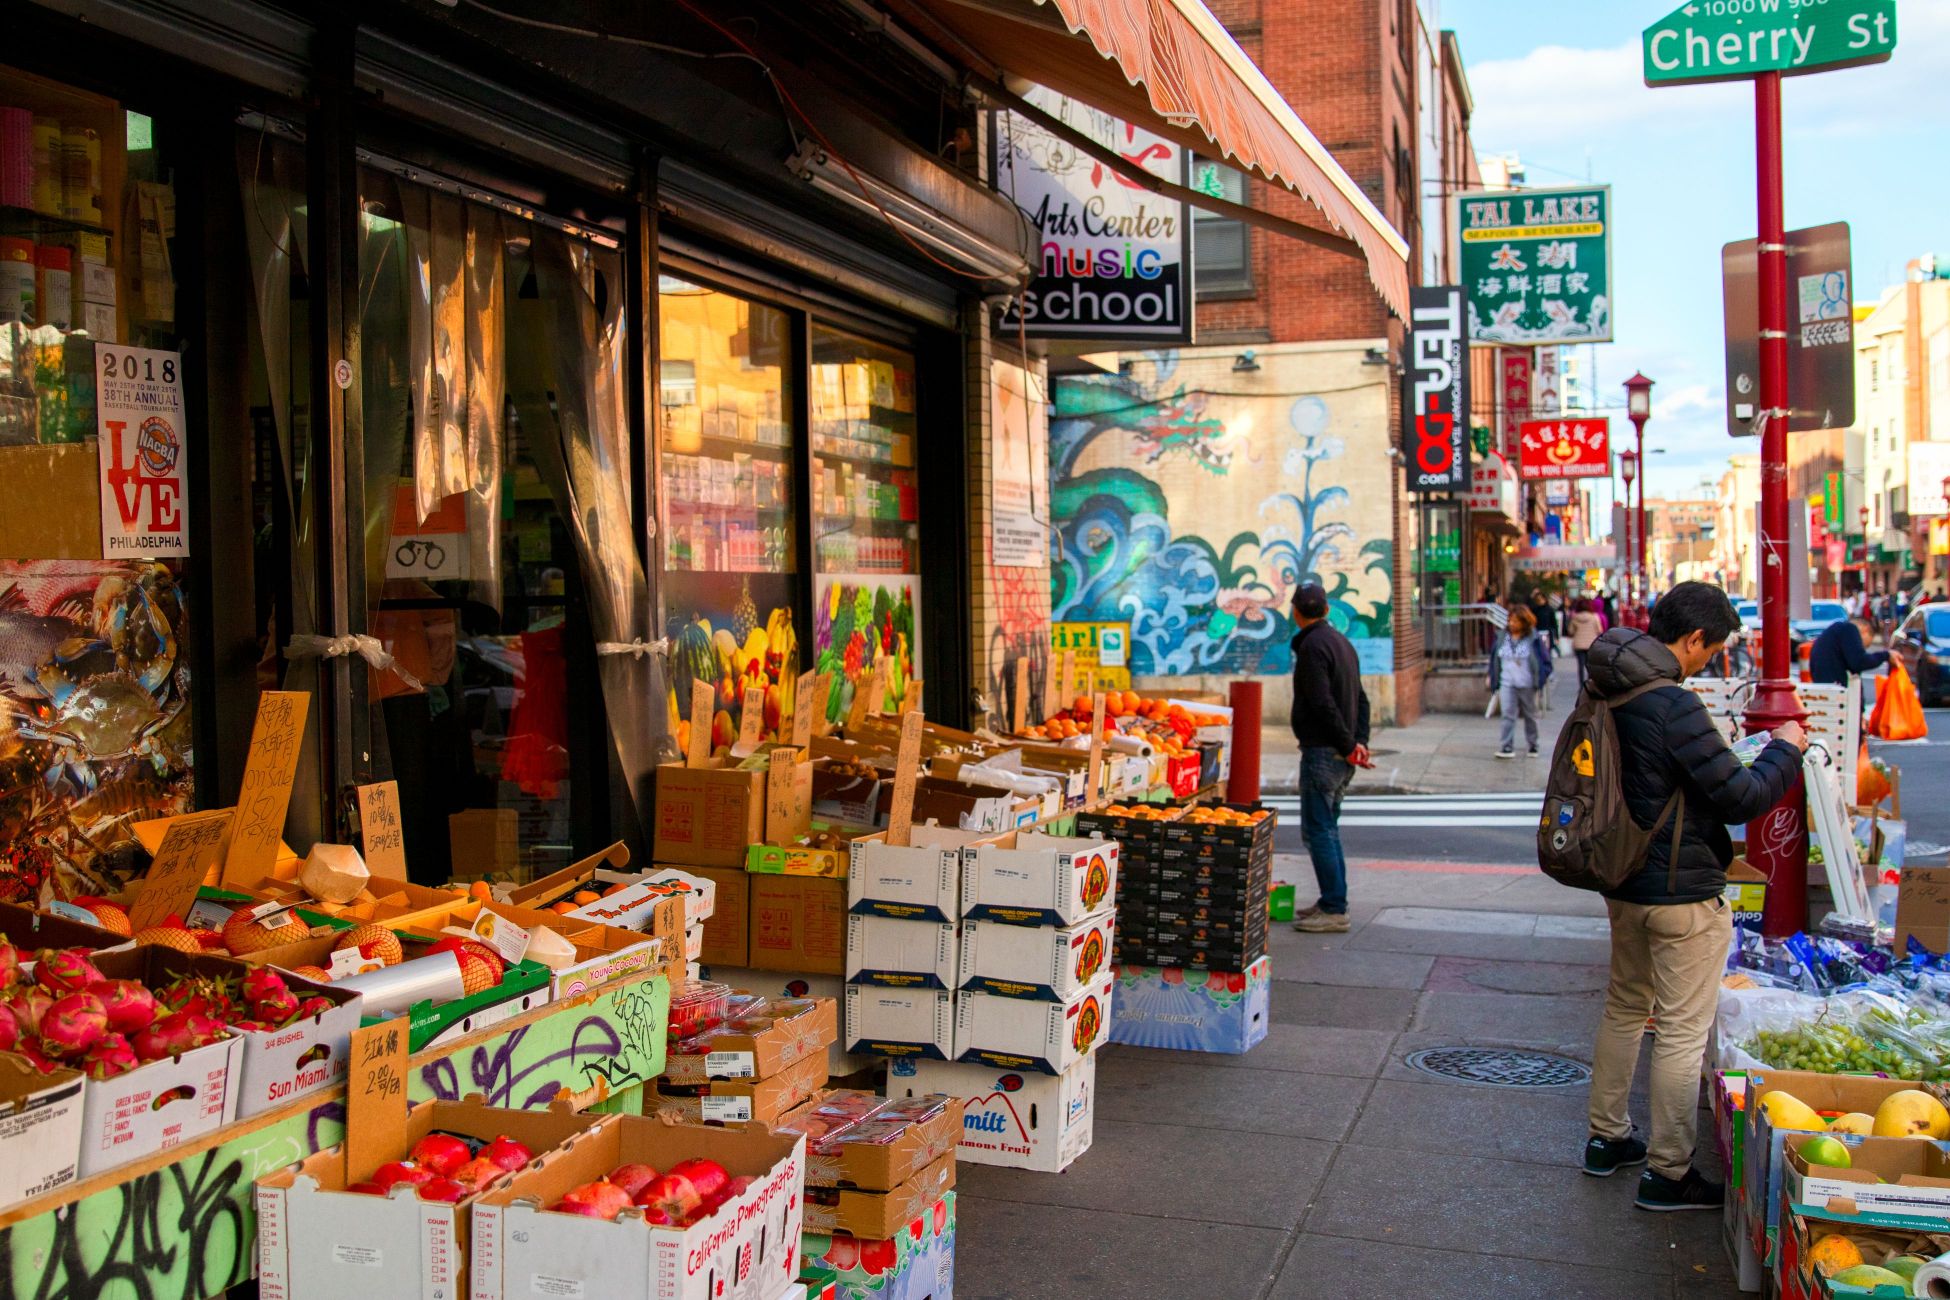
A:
{"x":1102,"y":652}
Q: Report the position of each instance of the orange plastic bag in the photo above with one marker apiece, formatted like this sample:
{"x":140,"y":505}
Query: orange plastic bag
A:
{"x":1898,"y":714}
{"x":1871,"y":786}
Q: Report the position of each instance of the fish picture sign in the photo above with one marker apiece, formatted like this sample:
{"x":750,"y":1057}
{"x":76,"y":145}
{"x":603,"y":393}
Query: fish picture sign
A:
{"x":144,"y":462}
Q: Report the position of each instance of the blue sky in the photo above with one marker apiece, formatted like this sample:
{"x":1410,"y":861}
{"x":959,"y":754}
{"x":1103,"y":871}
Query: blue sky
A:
{"x":1559,"y":84}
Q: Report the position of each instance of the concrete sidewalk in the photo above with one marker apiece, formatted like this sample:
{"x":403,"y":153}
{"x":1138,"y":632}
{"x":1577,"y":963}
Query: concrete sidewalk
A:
{"x":1442,"y":753}
{"x":1324,"y":1163}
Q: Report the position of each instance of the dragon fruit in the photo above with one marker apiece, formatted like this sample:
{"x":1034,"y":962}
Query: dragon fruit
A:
{"x":262,"y":982}
{"x":65,"y":970}
{"x":129,"y":1005}
{"x":9,"y":1030}
{"x":276,"y":1008}
{"x":9,"y":965}
{"x":29,"y":1003}
{"x":111,"y":1055}
{"x":173,"y":1035}
{"x":73,"y":1024}
{"x":37,"y":1058}
{"x":314,"y":1006}
{"x":207,"y":1029}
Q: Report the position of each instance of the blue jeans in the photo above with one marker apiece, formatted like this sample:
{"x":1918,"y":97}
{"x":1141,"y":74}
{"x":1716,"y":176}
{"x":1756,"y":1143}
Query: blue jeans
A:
{"x":1324,"y":776}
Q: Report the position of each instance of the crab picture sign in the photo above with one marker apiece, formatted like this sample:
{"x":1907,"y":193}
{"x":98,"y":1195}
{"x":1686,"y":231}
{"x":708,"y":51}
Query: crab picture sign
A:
{"x":144,"y":461}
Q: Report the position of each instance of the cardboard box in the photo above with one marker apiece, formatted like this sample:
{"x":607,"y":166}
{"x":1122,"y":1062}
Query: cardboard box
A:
{"x":920,"y":881}
{"x":856,"y":1139}
{"x":51,"y":506}
{"x":1017,"y":1034}
{"x":779,"y":984}
{"x":727,"y":935}
{"x":798,"y":924}
{"x":1023,"y":1120}
{"x":1890,"y":1181}
{"x":484,"y":842}
{"x":1795,"y":1279}
{"x":901,"y":954}
{"x":1923,"y":909}
{"x":317,"y":1241}
{"x":795,"y":860}
{"x":1049,"y":963}
{"x":794,"y":1030}
{"x":916,"y":1264}
{"x":708,"y":815}
{"x":1041,"y":880}
{"x":40,"y":1129}
{"x":900,"y":1022}
{"x":280,"y":1064}
{"x":876,"y":1215}
{"x":748,"y":1250}
{"x":740,"y":1101}
{"x":1210,"y":1011}
{"x":30,"y":930}
{"x":1746,"y":895}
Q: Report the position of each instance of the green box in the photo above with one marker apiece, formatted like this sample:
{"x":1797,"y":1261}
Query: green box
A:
{"x":523,"y":987}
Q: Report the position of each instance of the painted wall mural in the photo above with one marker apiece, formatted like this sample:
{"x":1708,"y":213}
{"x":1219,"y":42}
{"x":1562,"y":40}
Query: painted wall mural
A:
{"x":1193,"y":502}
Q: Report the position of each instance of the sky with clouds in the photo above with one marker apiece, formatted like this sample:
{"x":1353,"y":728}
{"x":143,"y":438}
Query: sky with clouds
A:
{"x":1558,"y":82}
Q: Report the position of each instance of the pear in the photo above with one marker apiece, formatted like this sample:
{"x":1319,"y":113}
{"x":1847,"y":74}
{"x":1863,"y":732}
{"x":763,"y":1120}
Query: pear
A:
{"x":1854,"y":1122}
{"x":1787,"y":1111}
{"x":1911,"y":1113}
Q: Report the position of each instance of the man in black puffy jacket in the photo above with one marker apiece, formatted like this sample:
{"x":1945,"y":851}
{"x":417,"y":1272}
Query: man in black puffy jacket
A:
{"x":1669,"y":924}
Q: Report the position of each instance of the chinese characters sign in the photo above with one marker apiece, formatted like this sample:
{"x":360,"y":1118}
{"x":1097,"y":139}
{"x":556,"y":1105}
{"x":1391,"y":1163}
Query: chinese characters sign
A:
{"x":1435,"y":405}
{"x":1564,"y":448}
{"x":1513,"y":364}
{"x":144,"y":466}
{"x":1536,"y":264}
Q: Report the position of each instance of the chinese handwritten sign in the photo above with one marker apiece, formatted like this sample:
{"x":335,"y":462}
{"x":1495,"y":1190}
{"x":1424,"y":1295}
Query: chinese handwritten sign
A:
{"x":1562,"y":448}
{"x":266,"y":792}
{"x":379,"y":829}
{"x":189,"y":848}
{"x":1536,"y":264}
{"x":375,"y":1098}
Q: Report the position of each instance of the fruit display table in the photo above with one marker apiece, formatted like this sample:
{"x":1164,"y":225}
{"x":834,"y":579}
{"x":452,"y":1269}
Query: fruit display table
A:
{"x":182,"y":1223}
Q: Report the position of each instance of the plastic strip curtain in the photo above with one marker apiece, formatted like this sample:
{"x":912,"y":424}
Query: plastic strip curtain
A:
{"x":487,"y":381}
{"x":565,"y":381}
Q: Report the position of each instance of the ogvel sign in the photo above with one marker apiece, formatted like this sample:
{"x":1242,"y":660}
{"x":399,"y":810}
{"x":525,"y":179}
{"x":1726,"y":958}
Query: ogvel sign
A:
{"x":1435,"y":397}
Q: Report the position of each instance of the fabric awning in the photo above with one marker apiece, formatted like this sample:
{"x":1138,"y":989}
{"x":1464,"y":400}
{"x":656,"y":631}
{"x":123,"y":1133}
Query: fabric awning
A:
{"x":1170,"y":67}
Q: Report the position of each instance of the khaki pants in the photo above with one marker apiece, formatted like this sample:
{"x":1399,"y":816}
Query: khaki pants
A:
{"x":1666,"y":961}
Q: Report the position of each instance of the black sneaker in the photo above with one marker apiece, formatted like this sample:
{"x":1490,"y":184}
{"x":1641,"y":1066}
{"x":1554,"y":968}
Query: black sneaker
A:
{"x":1604,"y":1157}
{"x":1657,"y":1192}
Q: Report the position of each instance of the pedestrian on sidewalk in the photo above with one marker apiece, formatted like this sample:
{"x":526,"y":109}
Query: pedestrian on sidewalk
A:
{"x":1669,"y":924}
{"x":1519,"y":668}
{"x":1585,"y":627}
{"x":1330,"y":720}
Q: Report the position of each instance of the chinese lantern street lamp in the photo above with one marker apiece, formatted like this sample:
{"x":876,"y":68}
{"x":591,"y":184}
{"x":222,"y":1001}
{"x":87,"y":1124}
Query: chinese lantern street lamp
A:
{"x":1628,"y":469}
{"x":1638,"y":408}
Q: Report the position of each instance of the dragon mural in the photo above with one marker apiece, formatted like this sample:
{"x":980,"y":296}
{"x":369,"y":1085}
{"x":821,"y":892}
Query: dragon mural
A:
{"x":1162,"y":520}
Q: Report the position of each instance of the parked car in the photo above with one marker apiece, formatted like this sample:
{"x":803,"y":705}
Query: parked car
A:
{"x":1822,"y":614}
{"x":1923,"y":644}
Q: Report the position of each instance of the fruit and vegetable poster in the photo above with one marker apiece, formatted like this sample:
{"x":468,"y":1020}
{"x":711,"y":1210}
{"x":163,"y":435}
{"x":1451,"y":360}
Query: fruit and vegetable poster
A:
{"x":857,"y":618}
{"x":734,"y":651}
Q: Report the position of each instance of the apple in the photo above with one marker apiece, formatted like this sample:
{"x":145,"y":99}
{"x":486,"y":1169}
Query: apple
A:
{"x":396,"y":1171}
{"x":672,"y":1193}
{"x":443,"y":1189}
{"x":507,"y":1153}
{"x":602,"y":1199}
{"x":632,"y":1178}
{"x":441,"y":1152}
{"x":478,"y":1172}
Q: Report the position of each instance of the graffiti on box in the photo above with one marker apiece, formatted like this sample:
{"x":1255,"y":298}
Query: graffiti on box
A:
{"x":1163,"y":516}
{"x":617,"y":1039}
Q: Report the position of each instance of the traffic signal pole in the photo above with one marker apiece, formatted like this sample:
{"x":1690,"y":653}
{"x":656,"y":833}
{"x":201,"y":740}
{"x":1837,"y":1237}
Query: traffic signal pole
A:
{"x":1777,"y":843}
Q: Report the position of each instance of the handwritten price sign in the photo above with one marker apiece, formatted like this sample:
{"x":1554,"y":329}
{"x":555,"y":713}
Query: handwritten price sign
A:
{"x":375,"y":1099}
{"x":266,"y":792}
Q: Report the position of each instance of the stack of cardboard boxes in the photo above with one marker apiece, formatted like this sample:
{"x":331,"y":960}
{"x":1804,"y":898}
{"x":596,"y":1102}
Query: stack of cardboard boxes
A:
{"x":742,"y":1058}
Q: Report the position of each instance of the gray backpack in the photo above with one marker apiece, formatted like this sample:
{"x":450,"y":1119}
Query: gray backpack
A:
{"x":1587,"y":838}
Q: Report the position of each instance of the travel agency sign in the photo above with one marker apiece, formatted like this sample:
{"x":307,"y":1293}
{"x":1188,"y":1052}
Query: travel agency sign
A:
{"x":1536,"y":264}
{"x":1114,"y":260}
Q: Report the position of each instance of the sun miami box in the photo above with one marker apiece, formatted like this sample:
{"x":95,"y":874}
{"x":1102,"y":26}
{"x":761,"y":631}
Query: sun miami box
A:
{"x":917,"y":1263}
{"x":1195,"y":1011}
{"x":900,"y":1022}
{"x":748,"y":1250}
{"x":1041,"y":880}
{"x":40,"y":1129}
{"x":1017,"y":1118}
{"x":317,"y":1241}
{"x":280,"y":1064}
{"x":1020,"y":1034}
{"x":1044,"y":962}
{"x":901,"y":954}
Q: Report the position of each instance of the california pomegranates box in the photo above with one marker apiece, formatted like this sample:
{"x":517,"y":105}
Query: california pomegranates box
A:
{"x":643,"y":1208}
{"x":397,"y":1231}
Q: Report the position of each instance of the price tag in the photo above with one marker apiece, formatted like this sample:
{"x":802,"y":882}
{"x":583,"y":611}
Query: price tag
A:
{"x":1019,"y":705}
{"x":384,"y":842}
{"x":350,"y":961}
{"x":802,"y":709}
{"x":375,"y":1099}
{"x":877,"y":696}
{"x":502,"y":935}
{"x":751,"y":722}
{"x":788,"y":796}
{"x":272,"y":916}
{"x":192,"y":845}
{"x":855,"y":716}
{"x":276,"y":737}
{"x":907,"y":763}
{"x":823,"y":694}
{"x":699,"y":753}
{"x":911,"y":697}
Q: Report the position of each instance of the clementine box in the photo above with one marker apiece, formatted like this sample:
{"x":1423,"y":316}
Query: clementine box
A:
{"x":858,"y":1140}
{"x":1019,"y":1034}
{"x":792,"y":1030}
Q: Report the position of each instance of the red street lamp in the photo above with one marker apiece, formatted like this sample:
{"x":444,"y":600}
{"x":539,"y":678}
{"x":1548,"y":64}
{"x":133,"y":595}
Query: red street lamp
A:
{"x":1638,"y":408}
{"x":1628,"y":469}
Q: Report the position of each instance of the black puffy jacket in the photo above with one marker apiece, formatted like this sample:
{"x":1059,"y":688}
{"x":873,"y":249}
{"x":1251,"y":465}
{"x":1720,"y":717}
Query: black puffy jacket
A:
{"x":1666,"y":737}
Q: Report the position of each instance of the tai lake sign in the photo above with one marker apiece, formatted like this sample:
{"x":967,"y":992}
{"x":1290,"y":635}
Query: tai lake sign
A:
{"x":1715,"y":40}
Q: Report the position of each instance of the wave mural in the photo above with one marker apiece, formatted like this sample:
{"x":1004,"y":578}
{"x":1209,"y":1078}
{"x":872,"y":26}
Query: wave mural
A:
{"x":1193,"y":511}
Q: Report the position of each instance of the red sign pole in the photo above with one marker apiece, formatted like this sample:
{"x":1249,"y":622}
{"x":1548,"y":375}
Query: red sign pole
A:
{"x":1777,"y":843}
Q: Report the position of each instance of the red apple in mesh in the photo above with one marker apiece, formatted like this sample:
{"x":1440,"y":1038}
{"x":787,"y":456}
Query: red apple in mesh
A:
{"x":443,"y":1189}
{"x":72,"y":1025}
{"x":65,"y":970}
{"x":398,"y":1171}
{"x":633,"y":1178}
{"x":441,"y":1152}
{"x":507,"y":1153}
{"x":130,"y":1006}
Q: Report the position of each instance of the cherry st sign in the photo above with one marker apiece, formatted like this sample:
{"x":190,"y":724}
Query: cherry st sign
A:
{"x":1715,"y":40}
{"x":1564,"y":448}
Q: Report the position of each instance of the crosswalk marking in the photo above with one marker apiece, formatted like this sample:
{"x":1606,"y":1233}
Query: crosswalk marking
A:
{"x":1505,"y":810}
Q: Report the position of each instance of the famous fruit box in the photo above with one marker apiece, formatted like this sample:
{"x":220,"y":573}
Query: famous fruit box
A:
{"x":747,"y":1250}
{"x":1050,"y":963}
{"x":1897,"y":1182}
{"x":1020,"y":1119}
{"x":318,"y":1241}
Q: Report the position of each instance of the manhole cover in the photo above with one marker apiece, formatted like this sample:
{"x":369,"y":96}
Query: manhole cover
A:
{"x":1501,"y":1067}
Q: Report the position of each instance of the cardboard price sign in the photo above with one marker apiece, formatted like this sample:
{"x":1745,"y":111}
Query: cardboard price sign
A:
{"x":802,"y":709}
{"x":788,"y":795}
{"x":911,"y":697}
{"x":857,"y":714}
{"x":877,"y":693}
{"x":379,"y":829}
{"x":190,"y":847}
{"x":907,"y":763}
{"x":276,"y":737}
{"x":375,"y":1099}
{"x":823,"y":697}
{"x":751,"y":722}
{"x":1096,"y":746}
{"x":699,"y":751}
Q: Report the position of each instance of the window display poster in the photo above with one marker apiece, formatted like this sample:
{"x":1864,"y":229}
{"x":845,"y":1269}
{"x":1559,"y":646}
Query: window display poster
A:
{"x":144,"y":469}
{"x":1019,"y":470}
{"x":735,"y":633}
{"x":857,"y":618}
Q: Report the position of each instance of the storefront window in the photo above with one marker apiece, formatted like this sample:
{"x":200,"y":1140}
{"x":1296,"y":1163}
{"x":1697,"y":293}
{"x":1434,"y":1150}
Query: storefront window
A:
{"x":730,"y":538}
{"x":866,"y":538}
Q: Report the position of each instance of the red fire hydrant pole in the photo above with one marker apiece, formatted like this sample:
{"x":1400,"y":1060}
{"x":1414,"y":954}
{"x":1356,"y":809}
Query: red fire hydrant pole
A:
{"x":1777,"y":843}
{"x":1242,"y":786}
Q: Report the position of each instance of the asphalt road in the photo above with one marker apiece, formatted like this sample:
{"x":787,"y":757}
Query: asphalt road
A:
{"x":1925,"y":767}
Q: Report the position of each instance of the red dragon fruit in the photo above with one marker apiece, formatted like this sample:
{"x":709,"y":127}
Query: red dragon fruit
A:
{"x":173,"y":1035}
{"x":275,"y":1008}
{"x":37,"y":1058}
{"x":9,"y":1030}
{"x":207,"y":1029}
{"x":65,"y":970}
{"x":314,"y":1006}
{"x":262,"y":982}
{"x":129,"y":1005}
{"x":111,"y":1055}
{"x":29,"y":1003}
{"x":73,"y":1024}
{"x":9,"y":965}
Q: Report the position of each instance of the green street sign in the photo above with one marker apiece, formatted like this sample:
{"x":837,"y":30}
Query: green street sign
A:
{"x":1716,"y":40}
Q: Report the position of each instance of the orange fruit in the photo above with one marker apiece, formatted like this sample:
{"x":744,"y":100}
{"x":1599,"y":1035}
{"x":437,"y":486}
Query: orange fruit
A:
{"x":616,"y":888}
{"x":317,"y":974}
{"x":476,"y":976}
{"x":1081,"y":704}
{"x":584,"y":897}
{"x":243,"y":935}
{"x":563,"y":909}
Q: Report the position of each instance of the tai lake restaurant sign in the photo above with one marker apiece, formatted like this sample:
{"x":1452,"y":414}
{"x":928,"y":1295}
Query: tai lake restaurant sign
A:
{"x":1536,"y":264}
{"x":1113,"y":260}
{"x":1435,"y":391}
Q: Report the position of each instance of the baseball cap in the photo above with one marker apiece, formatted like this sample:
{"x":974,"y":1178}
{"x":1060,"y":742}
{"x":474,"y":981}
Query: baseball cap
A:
{"x":1311,"y":600}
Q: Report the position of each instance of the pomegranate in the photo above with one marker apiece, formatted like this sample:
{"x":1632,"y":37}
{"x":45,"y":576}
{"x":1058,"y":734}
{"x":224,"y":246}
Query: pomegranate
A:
{"x":707,"y":1177}
{"x":399,"y":1171}
{"x":441,"y":1152}
{"x":477,"y":1173}
{"x":73,"y":1024}
{"x":601,"y":1199}
{"x":367,"y":1189}
{"x":508,"y":1154}
{"x":672,"y":1193}
{"x":443,"y":1189}
{"x":129,"y":1005}
{"x":65,"y":970}
{"x":111,"y":1055}
{"x":632,"y":1178}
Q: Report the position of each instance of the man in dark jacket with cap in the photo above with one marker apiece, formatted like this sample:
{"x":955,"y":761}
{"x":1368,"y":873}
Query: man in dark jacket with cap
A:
{"x":1669,"y":924}
{"x":1330,"y":720}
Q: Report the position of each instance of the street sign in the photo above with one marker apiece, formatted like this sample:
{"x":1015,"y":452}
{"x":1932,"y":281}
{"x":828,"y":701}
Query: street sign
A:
{"x":1435,"y":396}
{"x":1536,"y":264}
{"x":1821,"y":331}
{"x":1564,"y":448}
{"x":1715,"y":40}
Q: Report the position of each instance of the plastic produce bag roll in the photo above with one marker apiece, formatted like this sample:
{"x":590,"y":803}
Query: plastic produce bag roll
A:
{"x":392,"y":990}
{"x":1933,"y":1279}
